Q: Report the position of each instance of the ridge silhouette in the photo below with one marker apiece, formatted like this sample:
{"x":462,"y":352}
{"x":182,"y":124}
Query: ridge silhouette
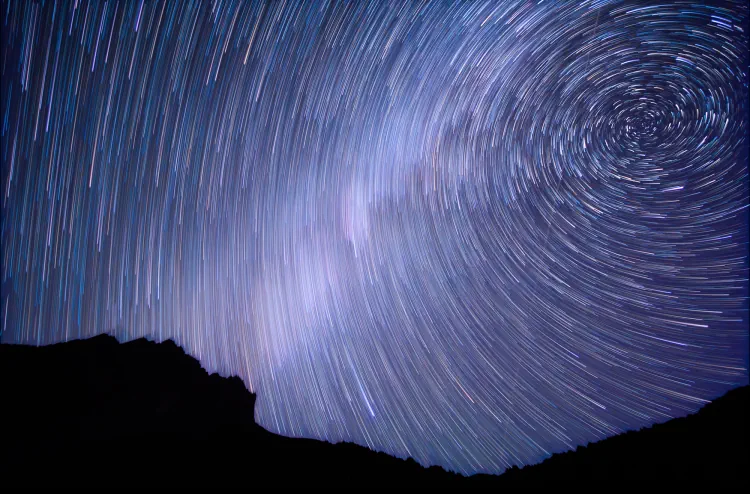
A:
{"x":100,"y":413}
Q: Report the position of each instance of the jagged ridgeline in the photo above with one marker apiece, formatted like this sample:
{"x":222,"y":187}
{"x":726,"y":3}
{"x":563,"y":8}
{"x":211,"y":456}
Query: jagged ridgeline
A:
{"x":99,"y":413}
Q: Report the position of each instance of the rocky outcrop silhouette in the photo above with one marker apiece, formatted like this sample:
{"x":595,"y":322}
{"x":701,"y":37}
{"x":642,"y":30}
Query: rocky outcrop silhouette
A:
{"x":99,"y":413}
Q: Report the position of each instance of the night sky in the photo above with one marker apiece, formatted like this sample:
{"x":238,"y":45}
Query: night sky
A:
{"x":473,"y":233}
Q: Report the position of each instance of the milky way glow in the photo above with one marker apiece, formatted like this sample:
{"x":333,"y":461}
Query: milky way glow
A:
{"x":474,"y":233}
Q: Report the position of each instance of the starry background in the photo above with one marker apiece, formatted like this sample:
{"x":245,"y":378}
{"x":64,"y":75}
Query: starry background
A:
{"x":474,"y":233}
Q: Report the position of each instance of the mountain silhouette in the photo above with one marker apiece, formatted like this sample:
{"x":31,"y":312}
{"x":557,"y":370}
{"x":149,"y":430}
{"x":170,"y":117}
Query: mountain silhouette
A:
{"x":99,"y":413}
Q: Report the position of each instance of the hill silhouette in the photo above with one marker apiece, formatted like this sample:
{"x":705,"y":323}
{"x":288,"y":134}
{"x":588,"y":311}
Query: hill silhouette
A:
{"x":100,"y":413}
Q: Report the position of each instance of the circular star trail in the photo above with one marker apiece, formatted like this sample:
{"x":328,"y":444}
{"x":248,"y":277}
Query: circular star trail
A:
{"x":473,"y":233}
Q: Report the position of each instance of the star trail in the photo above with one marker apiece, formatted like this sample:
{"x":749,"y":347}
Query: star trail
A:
{"x":473,"y":233}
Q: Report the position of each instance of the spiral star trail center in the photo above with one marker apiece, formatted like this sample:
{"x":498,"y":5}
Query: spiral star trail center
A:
{"x":473,"y":233}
